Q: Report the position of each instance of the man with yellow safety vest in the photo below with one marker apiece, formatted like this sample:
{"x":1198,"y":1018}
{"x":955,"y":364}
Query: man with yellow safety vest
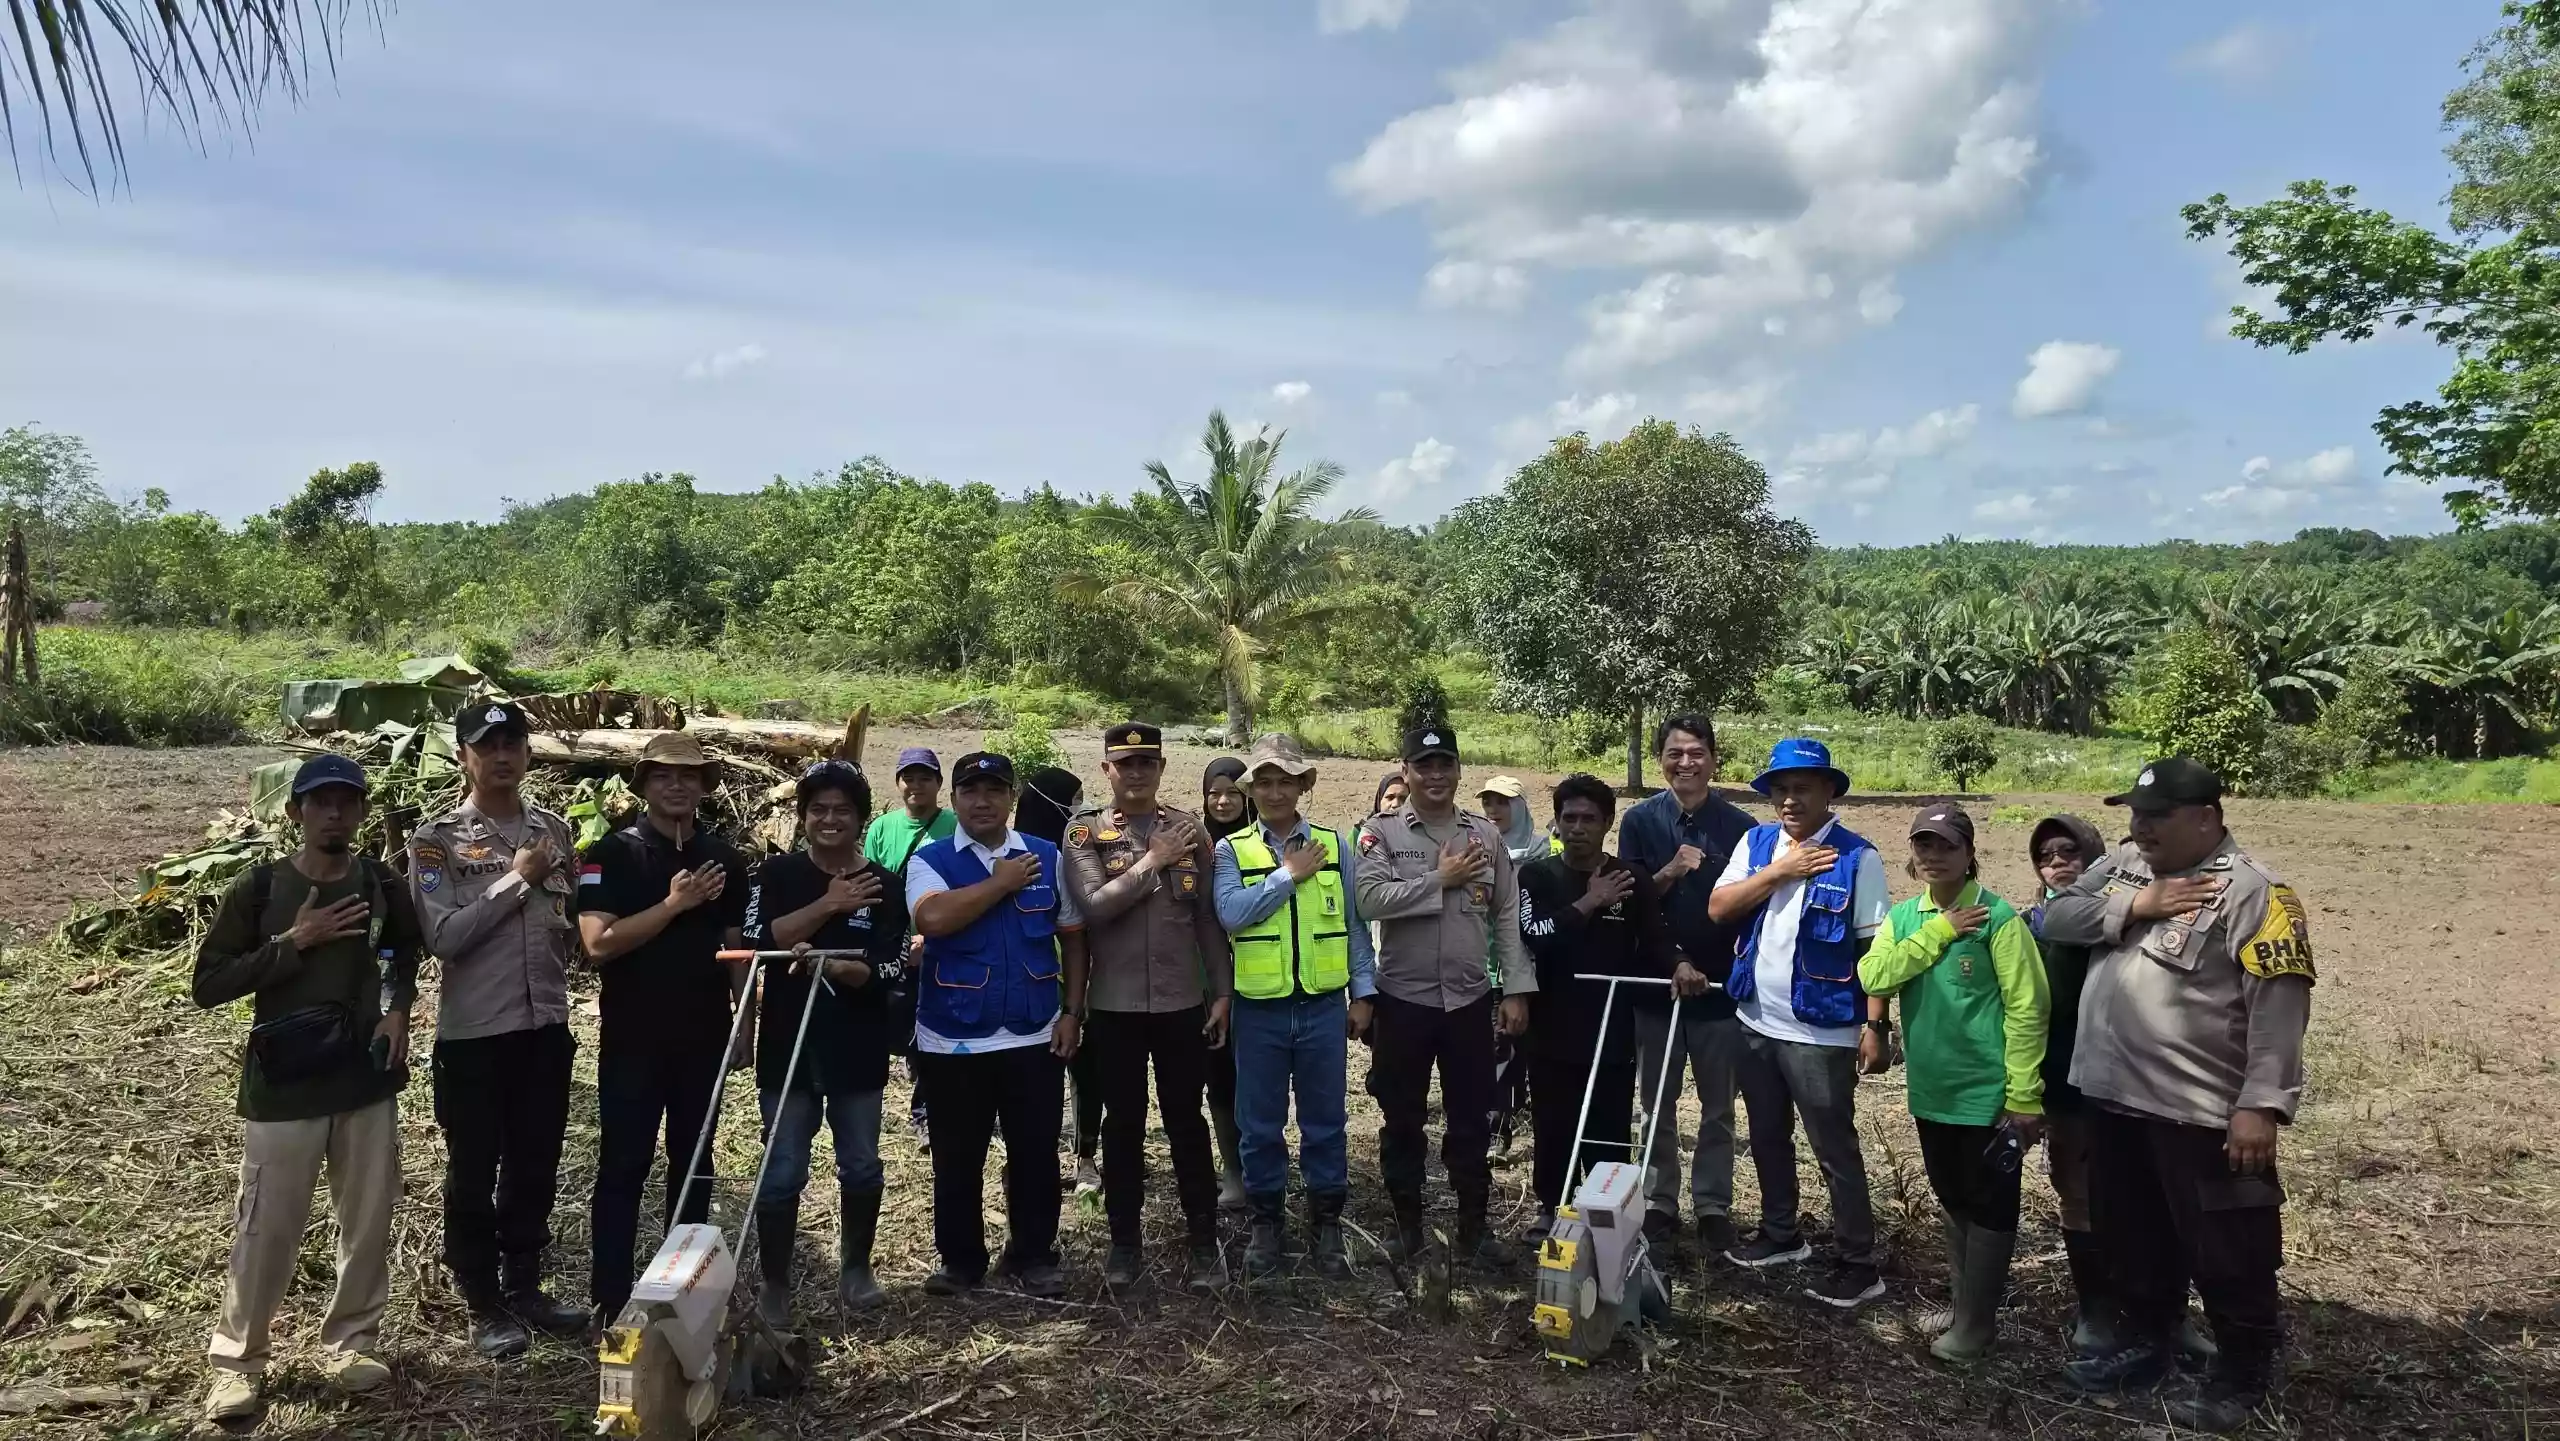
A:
{"x":1304,"y":975}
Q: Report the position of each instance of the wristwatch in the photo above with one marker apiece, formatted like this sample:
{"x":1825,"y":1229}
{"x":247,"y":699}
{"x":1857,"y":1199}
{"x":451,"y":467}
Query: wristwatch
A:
{"x":1880,"y":1026}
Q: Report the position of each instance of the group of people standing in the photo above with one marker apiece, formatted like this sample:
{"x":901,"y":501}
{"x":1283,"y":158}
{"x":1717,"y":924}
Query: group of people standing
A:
{"x":2144,"y":1018}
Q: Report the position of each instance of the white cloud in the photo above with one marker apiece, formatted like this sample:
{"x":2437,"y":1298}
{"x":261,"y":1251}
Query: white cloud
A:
{"x":1879,"y":302}
{"x":2258,"y":500}
{"x":1290,"y":392}
{"x":1606,"y":417}
{"x":1722,"y":407}
{"x":1933,"y":434}
{"x":2271,"y":487}
{"x":1426,"y":466}
{"x":1453,"y":283}
{"x":1338,"y":17}
{"x":2006,"y":509}
{"x":2243,"y":54}
{"x":1768,"y":164}
{"x":2063,"y":376}
{"x":725,"y":362}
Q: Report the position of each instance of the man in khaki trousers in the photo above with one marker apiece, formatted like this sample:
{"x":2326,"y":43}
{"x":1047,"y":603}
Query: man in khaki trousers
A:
{"x":325,"y":943}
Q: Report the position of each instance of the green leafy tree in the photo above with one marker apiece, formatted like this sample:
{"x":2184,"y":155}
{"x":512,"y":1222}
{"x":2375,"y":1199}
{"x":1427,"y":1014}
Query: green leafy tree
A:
{"x":2489,"y":290}
{"x":638,"y":569}
{"x":1239,"y":560}
{"x":328,"y":530}
{"x":903,"y":579}
{"x":48,"y":486}
{"x":1639,"y":575}
{"x":1963,"y":748}
{"x":2196,"y":700}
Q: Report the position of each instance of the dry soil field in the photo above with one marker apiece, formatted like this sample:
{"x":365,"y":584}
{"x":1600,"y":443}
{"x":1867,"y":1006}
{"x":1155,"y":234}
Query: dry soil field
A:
{"x":2423,"y":1231}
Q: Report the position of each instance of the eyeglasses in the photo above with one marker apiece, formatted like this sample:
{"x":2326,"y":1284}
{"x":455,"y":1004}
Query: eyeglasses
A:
{"x":2051,"y":854}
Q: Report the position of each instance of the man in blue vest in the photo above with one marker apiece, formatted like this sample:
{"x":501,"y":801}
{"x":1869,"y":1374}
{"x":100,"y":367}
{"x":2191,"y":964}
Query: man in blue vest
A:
{"x":997,"y":1002}
{"x":1807,"y":894}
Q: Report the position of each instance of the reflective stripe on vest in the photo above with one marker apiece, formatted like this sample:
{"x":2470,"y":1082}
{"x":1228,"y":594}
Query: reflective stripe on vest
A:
{"x":1298,"y":947}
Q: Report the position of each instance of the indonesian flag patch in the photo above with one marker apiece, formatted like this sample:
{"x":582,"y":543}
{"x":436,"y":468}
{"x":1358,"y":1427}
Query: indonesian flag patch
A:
{"x":590,"y":874}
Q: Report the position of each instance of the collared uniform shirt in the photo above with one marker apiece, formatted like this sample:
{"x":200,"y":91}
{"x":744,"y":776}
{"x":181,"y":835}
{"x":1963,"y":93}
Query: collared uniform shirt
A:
{"x":1432,"y":940}
{"x":1650,"y":833}
{"x":1771,"y":1009}
{"x":1241,"y":905}
{"x":671,"y":993}
{"x":2191,"y":1018}
{"x":503,"y":946}
{"x":923,"y":880}
{"x":1153,"y":941}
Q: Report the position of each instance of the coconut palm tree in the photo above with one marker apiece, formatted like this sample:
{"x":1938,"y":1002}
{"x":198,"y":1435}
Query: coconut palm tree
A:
{"x":1238,"y":559}
{"x":198,"y":59}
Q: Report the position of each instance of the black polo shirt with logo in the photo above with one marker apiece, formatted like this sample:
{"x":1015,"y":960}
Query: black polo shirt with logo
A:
{"x":672,"y":992}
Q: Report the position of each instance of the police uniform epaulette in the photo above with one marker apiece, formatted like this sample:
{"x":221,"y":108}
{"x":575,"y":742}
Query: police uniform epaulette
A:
{"x":2265,"y":871}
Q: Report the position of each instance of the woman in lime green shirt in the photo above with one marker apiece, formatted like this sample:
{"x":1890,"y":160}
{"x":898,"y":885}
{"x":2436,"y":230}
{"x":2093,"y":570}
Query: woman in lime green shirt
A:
{"x":1974,"y":1007}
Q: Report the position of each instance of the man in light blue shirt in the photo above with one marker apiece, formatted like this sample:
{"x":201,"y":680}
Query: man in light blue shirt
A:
{"x":1304,"y":975}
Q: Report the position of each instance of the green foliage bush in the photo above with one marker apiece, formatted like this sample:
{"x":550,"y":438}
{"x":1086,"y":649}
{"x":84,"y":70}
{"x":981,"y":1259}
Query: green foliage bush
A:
{"x":1798,"y":690}
{"x":2301,"y":761}
{"x":107,"y":688}
{"x":1963,"y":749}
{"x":1424,"y":701}
{"x":1029,"y":740}
{"x":2368,"y":718}
{"x":2192,"y":698}
{"x":488,"y":655}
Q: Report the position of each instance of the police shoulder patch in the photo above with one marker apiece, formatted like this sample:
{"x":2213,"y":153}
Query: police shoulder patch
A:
{"x":2282,"y":946}
{"x":1078,"y":835}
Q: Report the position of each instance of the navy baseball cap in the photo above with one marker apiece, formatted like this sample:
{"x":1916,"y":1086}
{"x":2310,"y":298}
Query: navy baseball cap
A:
{"x":914,"y":756}
{"x":982,"y":766}
{"x":479,"y":719}
{"x":328,"y":770}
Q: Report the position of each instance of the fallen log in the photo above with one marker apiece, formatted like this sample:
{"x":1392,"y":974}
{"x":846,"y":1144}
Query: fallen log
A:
{"x":792,"y":740}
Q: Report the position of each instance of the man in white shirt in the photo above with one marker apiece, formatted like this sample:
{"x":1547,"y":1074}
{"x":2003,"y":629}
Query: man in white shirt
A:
{"x":1808,"y":894}
{"x":998,"y":996}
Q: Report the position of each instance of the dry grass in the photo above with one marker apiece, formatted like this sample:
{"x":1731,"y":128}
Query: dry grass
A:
{"x":2424,"y":1234}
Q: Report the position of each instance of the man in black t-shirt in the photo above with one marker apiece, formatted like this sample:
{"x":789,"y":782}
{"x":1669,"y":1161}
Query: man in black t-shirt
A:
{"x":1586,"y":912}
{"x":658,"y":900}
{"x":829,"y":897}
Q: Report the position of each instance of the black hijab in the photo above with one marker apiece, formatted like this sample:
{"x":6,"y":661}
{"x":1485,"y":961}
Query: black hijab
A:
{"x":1049,"y":796}
{"x":1378,"y":797}
{"x":1232,"y":769}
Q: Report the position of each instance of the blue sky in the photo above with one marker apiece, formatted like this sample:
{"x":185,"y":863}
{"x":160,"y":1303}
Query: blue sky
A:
{"x":1921,"y":256}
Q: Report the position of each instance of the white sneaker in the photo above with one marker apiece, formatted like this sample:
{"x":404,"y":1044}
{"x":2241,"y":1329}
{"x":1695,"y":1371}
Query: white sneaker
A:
{"x":233,"y":1397}
{"x":356,"y":1373}
{"x":1088,"y":1178}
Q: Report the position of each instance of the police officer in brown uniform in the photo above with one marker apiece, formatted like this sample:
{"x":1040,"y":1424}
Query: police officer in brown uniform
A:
{"x":494,"y":881}
{"x":1447,"y":898}
{"x":2190,"y":1047}
{"x":1161,"y":980}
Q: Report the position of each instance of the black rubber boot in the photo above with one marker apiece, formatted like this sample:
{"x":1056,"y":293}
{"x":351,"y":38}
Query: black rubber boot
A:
{"x":1267,"y":1253}
{"x":777,"y":1227}
{"x":2093,"y":1329}
{"x":1222,"y":1125}
{"x":535,"y":1307}
{"x":1411,"y":1240}
{"x":1478,"y":1246}
{"x":2229,"y":1395}
{"x":1324,"y":1215}
{"x":857,"y":1230}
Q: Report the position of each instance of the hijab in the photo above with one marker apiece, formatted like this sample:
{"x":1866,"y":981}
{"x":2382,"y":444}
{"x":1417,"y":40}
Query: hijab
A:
{"x":1521,"y":836}
{"x":1233,"y":770}
{"x":1049,"y":796}
{"x":1378,"y":797}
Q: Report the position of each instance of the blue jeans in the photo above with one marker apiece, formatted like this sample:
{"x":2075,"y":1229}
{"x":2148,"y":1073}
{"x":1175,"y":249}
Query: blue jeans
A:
{"x":854,"y":1116}
{"x":1297,"y":1041}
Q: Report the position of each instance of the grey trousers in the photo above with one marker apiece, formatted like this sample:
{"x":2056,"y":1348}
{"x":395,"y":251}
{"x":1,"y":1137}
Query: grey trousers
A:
{"x":1709,"y":1050}
{"x":1782,"y":1080}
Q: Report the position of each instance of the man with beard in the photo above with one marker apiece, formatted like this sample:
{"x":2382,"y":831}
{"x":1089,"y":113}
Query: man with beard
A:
{"x":659,"y":899}
{"x":327,"y":946}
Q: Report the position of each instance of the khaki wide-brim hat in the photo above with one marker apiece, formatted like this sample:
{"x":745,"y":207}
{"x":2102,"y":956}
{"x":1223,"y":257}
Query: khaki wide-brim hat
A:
{"x":676,"y":748}
{"x":1280,"y":753}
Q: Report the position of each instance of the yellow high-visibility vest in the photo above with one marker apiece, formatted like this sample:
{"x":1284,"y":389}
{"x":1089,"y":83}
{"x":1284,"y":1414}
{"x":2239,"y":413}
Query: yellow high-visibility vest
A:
{"x":1303,"y":946}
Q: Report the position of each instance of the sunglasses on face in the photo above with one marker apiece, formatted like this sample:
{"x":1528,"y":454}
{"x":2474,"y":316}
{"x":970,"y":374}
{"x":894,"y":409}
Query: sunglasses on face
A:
{"x":2052,"y":855}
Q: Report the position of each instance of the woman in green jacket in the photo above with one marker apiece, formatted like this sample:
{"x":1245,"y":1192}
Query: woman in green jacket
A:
{"x":1974,"y":1010}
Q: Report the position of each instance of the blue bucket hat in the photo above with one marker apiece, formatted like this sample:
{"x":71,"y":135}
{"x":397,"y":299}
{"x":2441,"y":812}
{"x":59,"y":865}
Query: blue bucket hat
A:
{"x":1801,"y":753}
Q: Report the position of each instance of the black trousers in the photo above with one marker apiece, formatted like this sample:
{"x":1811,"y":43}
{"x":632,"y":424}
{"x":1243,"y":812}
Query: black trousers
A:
{"x":1122,"y":1043}
{"x":1969,"y":1187}
{"x":1555,"y":1102}
{"x":637,"y":1089}
{"x":1020,"y":1089}
{"x":2168,"y":1210}
{"x":503,"y":1104}
{"x":1222,"y":1077}
{"x":1410,"y":1040}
